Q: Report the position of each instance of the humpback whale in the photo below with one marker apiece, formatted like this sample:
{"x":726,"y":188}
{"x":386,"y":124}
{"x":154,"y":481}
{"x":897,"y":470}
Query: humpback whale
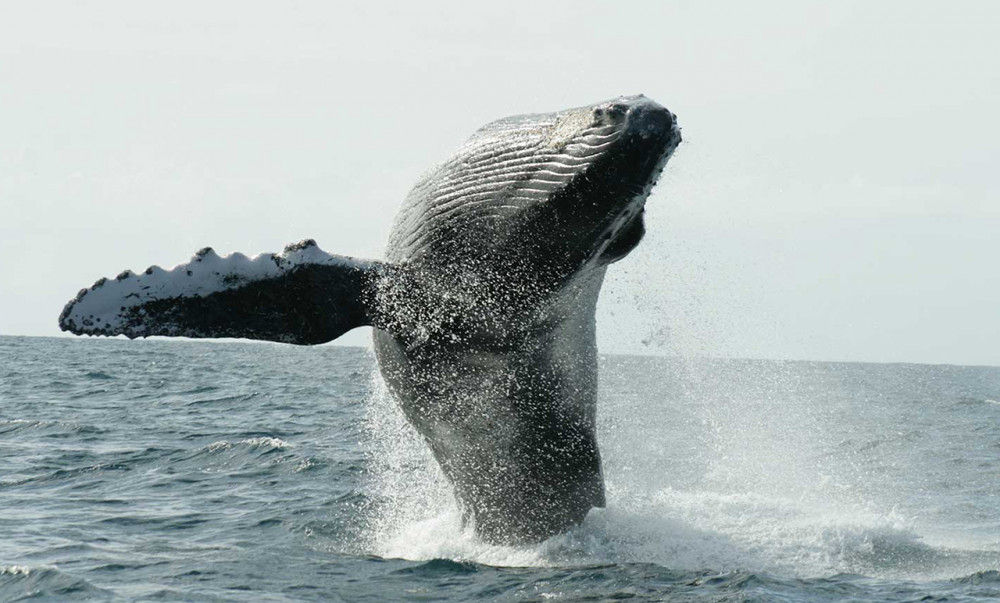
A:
{"x":483,"y":308}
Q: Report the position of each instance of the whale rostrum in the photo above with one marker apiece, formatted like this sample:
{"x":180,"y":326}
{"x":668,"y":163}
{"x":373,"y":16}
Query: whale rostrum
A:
{"x":483,"y":308}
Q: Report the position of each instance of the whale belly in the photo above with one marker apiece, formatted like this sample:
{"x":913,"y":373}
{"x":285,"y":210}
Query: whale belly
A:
{"x":513,"y":429}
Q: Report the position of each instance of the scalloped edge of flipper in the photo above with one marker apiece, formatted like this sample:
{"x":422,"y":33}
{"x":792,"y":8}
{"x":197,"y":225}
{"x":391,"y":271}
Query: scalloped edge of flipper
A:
{"x":119,"y":306}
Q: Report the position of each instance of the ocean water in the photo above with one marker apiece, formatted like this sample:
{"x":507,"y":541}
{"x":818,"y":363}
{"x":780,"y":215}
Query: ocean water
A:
{"x":205,"y":471}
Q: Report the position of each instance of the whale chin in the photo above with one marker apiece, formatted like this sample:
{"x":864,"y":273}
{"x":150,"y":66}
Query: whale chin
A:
{"x":625,"y":239}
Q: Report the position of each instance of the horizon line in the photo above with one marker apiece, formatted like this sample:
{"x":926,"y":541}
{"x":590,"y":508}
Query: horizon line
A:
{"x":164,"y":339}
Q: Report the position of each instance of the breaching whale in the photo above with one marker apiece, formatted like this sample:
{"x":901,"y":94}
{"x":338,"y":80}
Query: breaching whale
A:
{"x":483,"y":307}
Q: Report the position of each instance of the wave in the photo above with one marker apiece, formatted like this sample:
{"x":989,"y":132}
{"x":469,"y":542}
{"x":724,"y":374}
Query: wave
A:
{"x":164,"y":464}
{"x":984,"y":577}
{"x":48,"y":428}
{"x":225,"y":399}
{"x":246,"y":457}
{"x":65,"y":474}
{"x":97,"y":375}
{"x":263,"y":444}
{"x":19,"y":582}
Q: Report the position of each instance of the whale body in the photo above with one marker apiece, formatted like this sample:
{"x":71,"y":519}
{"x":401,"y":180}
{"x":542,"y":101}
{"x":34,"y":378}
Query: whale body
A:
{"x":483,"y":308}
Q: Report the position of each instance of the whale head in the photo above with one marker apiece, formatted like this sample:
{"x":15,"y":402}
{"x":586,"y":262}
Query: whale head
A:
{"x":540,"y":196}
{"x":630,"y":139}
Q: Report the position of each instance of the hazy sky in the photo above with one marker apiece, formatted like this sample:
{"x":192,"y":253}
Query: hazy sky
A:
{"x":835,"y":197}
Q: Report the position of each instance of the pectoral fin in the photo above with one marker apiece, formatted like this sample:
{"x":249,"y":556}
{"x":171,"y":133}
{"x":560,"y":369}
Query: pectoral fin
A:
{"x":303,"y":296}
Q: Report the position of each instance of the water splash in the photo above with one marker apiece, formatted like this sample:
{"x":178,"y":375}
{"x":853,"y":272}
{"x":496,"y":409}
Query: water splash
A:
{"x":408,"y":489}
{"x":730,"y":466}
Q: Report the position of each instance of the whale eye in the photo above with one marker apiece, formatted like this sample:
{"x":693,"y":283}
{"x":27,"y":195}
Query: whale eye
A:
{"x":617,"y":110}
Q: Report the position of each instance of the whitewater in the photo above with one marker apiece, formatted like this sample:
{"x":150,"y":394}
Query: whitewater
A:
{"x":176,"y":470}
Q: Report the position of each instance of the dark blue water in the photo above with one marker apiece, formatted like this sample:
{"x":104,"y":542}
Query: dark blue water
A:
{"x":166,"y":470}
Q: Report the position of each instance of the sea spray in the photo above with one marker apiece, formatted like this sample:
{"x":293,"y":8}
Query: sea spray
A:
{"x":407,"y":487}
{"x":724,"y":464}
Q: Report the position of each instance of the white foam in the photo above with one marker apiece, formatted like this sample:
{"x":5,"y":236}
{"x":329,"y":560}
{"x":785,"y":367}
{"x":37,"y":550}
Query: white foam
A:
{"x":267,"y":442}
{"x":217,"y":446}
{"x":735,"y":496}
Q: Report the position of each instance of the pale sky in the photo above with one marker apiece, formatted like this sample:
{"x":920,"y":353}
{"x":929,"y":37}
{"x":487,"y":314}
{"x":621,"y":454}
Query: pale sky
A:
{"x":835,"y":197}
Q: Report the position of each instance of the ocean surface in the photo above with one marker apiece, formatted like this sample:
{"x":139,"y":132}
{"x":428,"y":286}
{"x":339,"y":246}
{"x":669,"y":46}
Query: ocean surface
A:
{"x":206,"y":471}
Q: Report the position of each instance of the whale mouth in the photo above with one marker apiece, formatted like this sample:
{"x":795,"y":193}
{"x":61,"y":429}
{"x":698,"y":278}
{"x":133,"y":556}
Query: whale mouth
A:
{"x":649,"y":135}
{"x":625,"y":238}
